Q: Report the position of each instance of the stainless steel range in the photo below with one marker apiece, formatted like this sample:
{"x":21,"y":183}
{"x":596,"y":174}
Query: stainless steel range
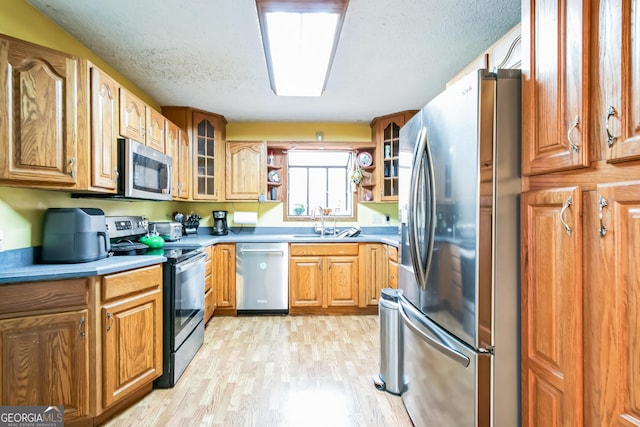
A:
{"x":183,"y":294}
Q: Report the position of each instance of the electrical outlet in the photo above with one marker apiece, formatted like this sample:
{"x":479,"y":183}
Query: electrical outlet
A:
{"x":377,"y":219}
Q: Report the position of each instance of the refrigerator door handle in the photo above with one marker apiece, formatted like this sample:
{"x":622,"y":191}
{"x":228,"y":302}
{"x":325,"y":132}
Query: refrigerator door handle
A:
{"x":420,"y":271}
{"x":441,"y":343}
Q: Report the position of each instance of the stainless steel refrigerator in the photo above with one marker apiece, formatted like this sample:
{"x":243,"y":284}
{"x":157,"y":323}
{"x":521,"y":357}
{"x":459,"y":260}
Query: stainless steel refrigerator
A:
{"x":459,"y":172}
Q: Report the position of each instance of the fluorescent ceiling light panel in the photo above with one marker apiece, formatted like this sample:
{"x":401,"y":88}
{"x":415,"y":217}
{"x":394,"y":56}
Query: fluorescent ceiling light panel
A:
{"x":299,"y":38}
{"x":301,"y":45}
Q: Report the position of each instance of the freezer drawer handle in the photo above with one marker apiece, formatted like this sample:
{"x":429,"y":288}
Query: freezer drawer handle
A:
{"x":440,"y":345}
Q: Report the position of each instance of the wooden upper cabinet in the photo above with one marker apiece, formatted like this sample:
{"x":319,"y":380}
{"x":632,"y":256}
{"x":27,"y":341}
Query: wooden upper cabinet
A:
{"x":551,"y":308}
{"x":246,"y":170}
{"x":178,"y":147}
{"x":38,"y":114}
{"x":156,"y":128}
{"x":385,"y":132}
{"x":555,"y":42}
{"x":208,"y":155}
{"x":616,"y":100}
{"x":141,"y":123}
{"x":206,"y":133}
{"x":133,"y":116}
{"x":104,"y":130}
{"x":614,"y":294}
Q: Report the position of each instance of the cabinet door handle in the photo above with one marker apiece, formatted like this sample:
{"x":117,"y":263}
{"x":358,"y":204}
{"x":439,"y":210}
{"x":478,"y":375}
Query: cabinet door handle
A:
{"x":566,"y":205}
{"x":574,"y":125}
{"x":81,"y":326}
{"x":611,"y":139}
{"x":72,"y":160}
{"x":603,"y":203}
{"x":320,"y":265}
{"x":109,"y":321}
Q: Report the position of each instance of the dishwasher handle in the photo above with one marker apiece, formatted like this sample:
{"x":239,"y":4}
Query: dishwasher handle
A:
{"x":262,"y":251}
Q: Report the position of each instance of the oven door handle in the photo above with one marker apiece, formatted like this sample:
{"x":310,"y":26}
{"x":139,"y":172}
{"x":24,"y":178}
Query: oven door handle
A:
{"x":190,"y":263}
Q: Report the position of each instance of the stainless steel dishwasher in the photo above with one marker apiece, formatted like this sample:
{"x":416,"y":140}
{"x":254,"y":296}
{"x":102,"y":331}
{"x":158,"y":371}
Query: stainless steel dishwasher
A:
{"x":262,"y":277}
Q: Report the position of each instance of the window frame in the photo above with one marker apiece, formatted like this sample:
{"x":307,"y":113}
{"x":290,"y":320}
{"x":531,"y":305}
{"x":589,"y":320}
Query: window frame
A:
{"x":284,"y":146}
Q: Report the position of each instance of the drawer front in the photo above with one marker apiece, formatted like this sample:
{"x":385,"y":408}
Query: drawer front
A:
{"x":46,"y":295}
{"x":323,"y":249}
{"x":132,"y":281}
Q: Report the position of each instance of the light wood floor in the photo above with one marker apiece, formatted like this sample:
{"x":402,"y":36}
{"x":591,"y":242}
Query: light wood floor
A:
{"x":277,"y":371}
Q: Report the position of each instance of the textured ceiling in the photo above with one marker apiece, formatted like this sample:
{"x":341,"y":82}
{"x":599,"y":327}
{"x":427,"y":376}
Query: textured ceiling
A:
{"x":392,"y":55}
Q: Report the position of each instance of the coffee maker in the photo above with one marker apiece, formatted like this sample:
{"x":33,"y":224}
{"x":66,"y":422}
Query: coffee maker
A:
{"x":219,"y":223}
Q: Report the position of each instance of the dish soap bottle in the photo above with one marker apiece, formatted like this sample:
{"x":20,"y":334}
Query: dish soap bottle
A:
{"x":270,"y":158}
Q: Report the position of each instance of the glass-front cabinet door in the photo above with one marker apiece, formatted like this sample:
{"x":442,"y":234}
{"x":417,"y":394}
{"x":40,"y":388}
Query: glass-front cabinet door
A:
{"x":208,"y":156}
{"x":386,"y":135}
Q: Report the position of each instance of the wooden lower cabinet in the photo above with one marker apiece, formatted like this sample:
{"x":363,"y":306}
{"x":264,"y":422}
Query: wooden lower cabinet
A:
{"x":551,"y":304}
{"x":131,"y":317}
{"x":324,"y":278}
{"x":305,"y":281}
{"x":45,"y":361}
{"x":92,"y":345}
{"x":224,"y":256}
{"x":392,"y":267}
{"x":375,"y":271}
{"x":612,"y":305}
{"x":209,"y":285}
{"x":45,"y":345}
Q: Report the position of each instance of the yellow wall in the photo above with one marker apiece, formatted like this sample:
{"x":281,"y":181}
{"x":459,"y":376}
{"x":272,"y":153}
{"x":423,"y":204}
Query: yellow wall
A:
{"x":22,"y":209}
{"x":269,"y":131}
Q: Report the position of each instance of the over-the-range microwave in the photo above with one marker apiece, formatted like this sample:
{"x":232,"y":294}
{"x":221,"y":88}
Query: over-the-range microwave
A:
{"x":144,"y":173}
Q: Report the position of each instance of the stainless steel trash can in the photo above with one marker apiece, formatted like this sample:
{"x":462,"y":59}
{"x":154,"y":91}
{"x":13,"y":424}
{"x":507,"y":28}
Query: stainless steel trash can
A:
{"x":391,"y":346}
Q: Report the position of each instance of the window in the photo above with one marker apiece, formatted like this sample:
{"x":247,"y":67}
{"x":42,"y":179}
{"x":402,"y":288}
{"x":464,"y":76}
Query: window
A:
{"x":319,"y":178}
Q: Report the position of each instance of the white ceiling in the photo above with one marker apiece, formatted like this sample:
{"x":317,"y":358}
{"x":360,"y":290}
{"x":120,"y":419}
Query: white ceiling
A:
{"x":393,"y":55}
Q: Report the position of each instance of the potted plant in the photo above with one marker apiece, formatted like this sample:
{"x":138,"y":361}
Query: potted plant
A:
{"x":298,"y":209}
{"x":356,"y":175}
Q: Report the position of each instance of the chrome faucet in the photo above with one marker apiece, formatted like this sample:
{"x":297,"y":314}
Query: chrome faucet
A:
{"x":313,"y":217}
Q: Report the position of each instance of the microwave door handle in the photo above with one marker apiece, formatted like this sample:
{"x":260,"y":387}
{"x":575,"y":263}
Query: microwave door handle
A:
{"x":438,"y":342}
